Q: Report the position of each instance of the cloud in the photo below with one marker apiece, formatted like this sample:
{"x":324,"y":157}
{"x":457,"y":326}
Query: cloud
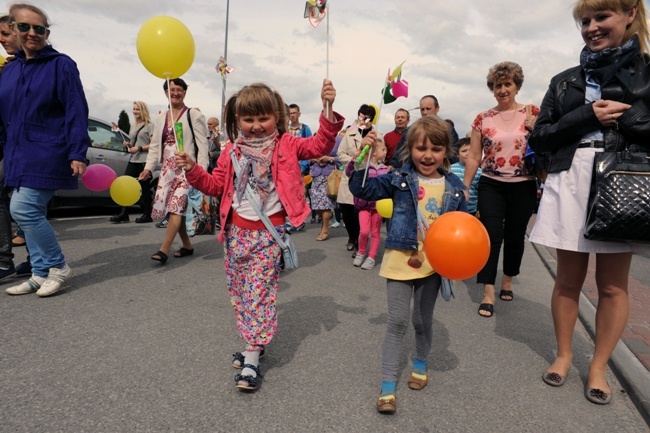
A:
{"x":448,"y":48}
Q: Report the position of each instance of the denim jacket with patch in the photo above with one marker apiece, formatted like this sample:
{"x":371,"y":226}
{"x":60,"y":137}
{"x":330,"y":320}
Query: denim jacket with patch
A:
{"x":402,"y":186}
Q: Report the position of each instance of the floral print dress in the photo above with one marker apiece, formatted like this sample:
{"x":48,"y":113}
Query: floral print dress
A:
{"x":171,"y":194}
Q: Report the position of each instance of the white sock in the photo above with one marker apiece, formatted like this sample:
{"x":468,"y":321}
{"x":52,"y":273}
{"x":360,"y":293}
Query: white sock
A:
{"x":253,"y":358}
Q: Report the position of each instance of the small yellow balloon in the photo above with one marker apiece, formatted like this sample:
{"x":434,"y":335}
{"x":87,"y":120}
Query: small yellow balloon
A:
{"x":385,"y":207}
{"x":126,"y":191}
{"x":165,"y":47}
{"x":306,"y":180}
{"x":376,"y":118}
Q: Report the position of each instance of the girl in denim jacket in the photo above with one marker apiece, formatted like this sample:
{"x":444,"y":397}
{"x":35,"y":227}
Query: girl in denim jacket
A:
{"x":423,"y":184}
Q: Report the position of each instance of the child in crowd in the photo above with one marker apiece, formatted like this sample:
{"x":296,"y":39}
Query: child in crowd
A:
{"x":421,"y":190}
{"x":256,"y":125}
{"x":369,"y":218}
{"x":462,"y":149}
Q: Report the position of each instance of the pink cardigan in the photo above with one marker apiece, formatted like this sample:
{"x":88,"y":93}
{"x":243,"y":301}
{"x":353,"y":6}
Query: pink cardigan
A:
{"x":285,"y":171}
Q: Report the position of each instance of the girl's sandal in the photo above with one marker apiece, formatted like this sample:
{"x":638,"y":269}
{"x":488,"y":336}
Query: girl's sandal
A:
{"x":323,"y":236}
{"x":248,"y":382}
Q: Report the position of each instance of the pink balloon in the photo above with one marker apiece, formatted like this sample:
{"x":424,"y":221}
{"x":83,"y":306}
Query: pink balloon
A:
{"x":98,"y":177}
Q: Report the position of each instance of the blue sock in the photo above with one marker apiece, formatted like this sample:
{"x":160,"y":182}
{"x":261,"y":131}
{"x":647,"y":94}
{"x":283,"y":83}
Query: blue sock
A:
{"x":388,"y":387}
{"x":419,"y":365}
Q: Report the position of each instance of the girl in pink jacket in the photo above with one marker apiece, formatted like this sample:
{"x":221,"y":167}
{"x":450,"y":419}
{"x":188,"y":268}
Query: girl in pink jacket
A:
{"x":256,"y":122}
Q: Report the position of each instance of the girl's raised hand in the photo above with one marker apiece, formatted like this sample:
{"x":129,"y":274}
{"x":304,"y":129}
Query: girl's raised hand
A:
{"x":328,"y":95}
{"x":184,"y":161}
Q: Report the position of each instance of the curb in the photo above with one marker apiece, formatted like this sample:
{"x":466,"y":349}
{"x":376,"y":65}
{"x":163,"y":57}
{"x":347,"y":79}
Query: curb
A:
{"x":626,"y":366}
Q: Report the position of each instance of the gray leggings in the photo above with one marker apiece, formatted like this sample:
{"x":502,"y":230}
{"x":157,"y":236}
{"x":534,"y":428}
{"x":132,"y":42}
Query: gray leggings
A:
{"x":425,"y":293}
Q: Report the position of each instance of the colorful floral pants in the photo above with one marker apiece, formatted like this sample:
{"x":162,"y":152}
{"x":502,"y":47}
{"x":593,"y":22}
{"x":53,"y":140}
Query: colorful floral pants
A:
{"x":252,"y":260}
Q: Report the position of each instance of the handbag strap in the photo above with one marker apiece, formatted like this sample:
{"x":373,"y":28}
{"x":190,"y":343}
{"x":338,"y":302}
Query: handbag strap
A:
{"x":254,"y":203}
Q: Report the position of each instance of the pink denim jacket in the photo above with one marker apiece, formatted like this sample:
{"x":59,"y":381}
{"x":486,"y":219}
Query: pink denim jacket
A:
{"x":285,"y":171}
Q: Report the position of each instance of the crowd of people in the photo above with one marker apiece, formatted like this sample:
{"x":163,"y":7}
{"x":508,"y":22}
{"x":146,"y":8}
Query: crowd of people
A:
{"x":257,"y":169}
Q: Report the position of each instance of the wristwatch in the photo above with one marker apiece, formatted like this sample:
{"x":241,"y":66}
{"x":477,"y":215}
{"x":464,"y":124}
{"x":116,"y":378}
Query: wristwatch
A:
{"x":139,"y":148}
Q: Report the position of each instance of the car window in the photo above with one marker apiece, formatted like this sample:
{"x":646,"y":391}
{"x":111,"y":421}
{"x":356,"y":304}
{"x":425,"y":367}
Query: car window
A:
{"x":104,"y":137}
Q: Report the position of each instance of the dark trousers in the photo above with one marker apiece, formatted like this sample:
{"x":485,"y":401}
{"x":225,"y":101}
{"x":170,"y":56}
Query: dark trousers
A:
{"x":134,"y":169}
{"x":505,"y":209}
{"x":351,"y":219}
{"x":6,"y":256}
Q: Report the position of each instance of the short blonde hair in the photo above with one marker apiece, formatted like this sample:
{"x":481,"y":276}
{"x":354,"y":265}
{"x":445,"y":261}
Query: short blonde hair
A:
{"x":638,"y":27}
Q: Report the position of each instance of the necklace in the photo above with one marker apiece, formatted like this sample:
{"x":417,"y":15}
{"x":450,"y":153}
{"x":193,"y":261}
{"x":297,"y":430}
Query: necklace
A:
{"x":505,"y":120}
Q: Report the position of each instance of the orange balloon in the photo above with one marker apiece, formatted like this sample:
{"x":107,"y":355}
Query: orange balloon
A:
{"x":457,"y":245}
{"x":306,"y":180}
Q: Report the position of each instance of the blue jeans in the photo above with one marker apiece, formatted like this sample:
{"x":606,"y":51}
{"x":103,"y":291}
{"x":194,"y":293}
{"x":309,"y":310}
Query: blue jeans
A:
{"x":29,"y":210}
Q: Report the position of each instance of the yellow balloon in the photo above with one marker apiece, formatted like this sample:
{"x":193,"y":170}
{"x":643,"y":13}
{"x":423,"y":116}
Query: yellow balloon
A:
{"x":165,"y":47}
{"x":306,"y":180}
{"x":126,"y":190}
{"x":385,"y":207}
{"x":376,"y":118}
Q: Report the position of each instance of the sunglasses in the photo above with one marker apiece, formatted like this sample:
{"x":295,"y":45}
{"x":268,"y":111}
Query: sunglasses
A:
{"x":24,"y":28}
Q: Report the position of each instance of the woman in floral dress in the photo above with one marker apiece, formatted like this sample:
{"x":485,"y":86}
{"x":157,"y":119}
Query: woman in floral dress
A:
{"x":171,"y":195}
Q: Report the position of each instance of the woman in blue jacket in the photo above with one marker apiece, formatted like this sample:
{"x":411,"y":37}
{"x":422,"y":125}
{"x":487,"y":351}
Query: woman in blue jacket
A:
{"x":45,"y":115}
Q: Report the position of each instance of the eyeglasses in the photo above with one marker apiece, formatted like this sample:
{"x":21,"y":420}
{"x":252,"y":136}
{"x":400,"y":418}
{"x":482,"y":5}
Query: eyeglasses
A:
{"x":24,"y":28}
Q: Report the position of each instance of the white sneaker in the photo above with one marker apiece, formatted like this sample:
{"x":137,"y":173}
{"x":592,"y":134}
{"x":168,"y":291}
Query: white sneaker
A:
{"x":55,"y":280}
{"x":29,"y":286}
{"x":368,"y":264}
{"x":358,"y":259}
{"x":335,"y":224}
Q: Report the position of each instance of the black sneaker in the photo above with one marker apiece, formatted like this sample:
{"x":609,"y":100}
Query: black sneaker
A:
{"x":144,"y":219}
{"x":6,"y":274}
{"x":162,"y":224}
{"x":24,"y":269}
{"x":119,"y":219}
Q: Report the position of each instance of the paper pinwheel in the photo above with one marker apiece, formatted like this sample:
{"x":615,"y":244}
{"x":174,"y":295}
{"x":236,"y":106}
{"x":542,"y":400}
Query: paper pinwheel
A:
{"x":395,"y":86}
{"x":223,"y":68}
{"x":315,"y":11}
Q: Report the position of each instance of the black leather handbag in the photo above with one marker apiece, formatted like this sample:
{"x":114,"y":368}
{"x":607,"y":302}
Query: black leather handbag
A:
{"x":619,"y":200}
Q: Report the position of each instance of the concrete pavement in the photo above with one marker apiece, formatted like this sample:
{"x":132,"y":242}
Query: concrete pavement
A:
{"x":133,"y":346}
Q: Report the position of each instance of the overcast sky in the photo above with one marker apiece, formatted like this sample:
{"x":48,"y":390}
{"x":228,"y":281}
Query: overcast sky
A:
{"x":448,"y":47}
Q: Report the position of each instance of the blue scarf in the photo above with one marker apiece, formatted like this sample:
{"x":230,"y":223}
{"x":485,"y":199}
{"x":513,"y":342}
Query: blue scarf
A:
{"x":603,"y":65}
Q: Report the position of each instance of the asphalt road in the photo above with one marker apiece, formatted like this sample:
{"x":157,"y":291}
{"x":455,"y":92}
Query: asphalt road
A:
{"x":132,"y":346}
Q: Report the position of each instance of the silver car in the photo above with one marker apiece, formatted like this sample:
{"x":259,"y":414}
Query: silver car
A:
{"x":105,"y":148}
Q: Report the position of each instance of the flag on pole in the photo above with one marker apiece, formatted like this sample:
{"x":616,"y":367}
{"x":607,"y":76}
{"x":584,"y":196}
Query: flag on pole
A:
{"x":395,"y":86}
{"x":315,"y":11}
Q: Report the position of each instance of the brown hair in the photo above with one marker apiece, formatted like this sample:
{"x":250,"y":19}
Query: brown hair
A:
{"x":437,"y":131}
{"x":639,"y":25}
{"x":504,"y":70}
{"x":254,"y":100}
